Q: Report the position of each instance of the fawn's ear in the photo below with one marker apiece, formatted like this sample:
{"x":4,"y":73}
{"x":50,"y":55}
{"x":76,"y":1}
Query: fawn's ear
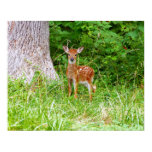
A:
{"x":66,"y":49}
{"x":79,"y":50}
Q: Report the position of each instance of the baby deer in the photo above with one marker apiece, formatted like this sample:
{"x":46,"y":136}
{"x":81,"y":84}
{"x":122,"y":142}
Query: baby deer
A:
{"x":78,"y":74}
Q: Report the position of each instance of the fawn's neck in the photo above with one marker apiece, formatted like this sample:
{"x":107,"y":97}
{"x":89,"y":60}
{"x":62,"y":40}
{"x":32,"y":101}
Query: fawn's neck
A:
{"x":72,"y":66}
{"x":72,"y":70}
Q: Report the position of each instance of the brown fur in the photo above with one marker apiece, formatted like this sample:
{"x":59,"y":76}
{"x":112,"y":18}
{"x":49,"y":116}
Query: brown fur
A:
{"x":78,"y":73}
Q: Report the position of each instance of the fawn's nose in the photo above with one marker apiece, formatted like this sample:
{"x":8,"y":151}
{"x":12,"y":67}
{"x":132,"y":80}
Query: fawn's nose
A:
{"x":72,"y":59}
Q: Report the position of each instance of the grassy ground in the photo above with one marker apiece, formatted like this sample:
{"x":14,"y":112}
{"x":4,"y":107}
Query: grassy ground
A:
{"x":44,"y":105}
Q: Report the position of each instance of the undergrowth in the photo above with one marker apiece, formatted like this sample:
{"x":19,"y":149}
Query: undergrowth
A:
{"x":45,"y":105}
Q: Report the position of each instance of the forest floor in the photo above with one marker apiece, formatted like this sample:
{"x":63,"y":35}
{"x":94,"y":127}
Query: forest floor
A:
{"x":45,"y":105}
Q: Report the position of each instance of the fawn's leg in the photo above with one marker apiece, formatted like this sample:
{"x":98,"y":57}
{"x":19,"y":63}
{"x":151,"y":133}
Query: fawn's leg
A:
{"x":69,"y":86}
{"x":93,"y":86}
{"x":75,"y":88}
{"x":90,"y":90}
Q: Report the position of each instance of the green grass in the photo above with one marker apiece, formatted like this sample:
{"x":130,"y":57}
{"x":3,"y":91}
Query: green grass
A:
{"x":45,"y":105}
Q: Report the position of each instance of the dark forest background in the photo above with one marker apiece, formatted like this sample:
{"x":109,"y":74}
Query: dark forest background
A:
{"x":115,"y":49}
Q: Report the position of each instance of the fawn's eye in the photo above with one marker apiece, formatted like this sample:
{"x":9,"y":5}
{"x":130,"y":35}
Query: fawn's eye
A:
{"x":76,"y":55}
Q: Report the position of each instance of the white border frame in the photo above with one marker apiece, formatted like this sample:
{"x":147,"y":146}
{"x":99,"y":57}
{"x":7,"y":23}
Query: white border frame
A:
{"x":17,"y":141}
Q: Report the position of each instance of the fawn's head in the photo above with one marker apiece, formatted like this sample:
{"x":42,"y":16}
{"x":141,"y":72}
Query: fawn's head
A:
{"x":72,"y":53}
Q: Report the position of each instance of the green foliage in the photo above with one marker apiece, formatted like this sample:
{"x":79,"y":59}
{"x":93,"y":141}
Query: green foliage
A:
{"x":115,"y":49}
{"x":45,"y":105}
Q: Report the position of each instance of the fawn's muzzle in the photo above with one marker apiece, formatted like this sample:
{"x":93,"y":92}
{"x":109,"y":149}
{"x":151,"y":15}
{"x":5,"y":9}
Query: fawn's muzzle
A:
{"x":72,"y":59}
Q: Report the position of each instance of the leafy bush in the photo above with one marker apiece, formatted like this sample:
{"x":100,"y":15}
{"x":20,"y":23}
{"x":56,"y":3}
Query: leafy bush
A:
{"x":115,"y":49}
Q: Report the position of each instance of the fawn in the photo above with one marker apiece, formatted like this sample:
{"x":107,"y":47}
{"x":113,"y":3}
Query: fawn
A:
{"x":78,"y":74}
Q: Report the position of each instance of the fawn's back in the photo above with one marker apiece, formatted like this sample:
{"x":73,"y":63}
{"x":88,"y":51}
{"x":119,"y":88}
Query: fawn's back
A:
{"x":85,"y":73}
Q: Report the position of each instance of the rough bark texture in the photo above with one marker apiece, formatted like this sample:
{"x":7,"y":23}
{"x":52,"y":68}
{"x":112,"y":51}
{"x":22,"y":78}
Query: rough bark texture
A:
{"x":28,"y":49}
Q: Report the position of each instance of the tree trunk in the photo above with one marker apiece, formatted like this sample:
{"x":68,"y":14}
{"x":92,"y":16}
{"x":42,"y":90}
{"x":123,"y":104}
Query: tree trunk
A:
{"x":28,"y":49}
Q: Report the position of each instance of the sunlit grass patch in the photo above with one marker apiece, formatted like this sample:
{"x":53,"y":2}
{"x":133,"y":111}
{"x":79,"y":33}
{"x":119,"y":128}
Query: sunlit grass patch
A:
{"x":45,"y":105}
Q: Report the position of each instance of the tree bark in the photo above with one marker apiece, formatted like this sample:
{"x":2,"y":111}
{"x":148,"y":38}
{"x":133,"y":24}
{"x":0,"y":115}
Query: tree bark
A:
{"x":28,"y":49}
